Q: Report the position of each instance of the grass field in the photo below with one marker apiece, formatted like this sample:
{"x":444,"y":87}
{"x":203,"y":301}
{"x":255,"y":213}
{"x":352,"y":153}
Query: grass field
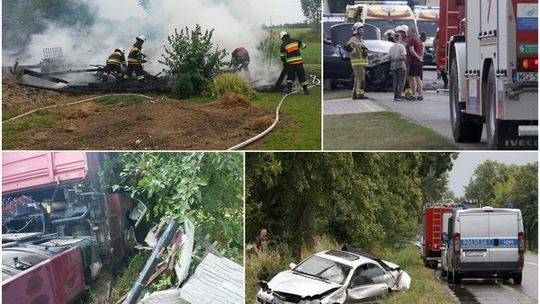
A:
{"x":379,"y":131}
{"x":424,"y":281}
{"x":305,"y":111}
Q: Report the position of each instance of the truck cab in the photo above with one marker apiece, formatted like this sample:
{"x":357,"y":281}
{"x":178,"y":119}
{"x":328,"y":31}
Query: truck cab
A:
{"x":484,"y":242}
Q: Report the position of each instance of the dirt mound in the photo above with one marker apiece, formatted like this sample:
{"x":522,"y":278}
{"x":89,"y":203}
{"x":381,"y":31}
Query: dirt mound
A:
{"x":232,"y":100}
{"x":260,"y":124}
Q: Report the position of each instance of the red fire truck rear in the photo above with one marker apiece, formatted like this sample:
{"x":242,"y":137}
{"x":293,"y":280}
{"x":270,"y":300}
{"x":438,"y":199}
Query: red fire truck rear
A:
{"x":59,"y":229}
{"x":434,"y":222}
{"x":490,"y":50}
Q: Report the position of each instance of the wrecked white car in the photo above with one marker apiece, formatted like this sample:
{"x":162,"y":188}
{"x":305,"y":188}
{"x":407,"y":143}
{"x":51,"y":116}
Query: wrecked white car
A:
{"x":334,"y":276}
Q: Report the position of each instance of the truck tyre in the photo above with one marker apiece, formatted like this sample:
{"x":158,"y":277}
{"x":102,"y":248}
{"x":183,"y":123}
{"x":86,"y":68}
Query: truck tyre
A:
{"x":517,"y":278}
{"x":464,"y":128}
{"x":492,"y":125}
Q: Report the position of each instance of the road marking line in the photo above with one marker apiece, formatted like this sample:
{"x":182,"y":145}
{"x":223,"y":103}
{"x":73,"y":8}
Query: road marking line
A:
{"x":508,"y":288}
{"x":531,"y":263}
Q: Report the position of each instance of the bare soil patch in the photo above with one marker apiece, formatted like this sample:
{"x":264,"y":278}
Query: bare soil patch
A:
{"x":166,"y":124}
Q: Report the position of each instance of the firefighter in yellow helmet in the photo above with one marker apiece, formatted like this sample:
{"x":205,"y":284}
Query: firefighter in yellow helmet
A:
{"x":114,"y":64}
{"x":135,"y":59}
{"x":359,"y":59}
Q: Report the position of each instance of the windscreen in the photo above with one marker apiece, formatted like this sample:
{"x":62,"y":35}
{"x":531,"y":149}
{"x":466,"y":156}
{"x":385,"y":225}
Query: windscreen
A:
{"x":324,"y":268}
{"x":429,"y":27}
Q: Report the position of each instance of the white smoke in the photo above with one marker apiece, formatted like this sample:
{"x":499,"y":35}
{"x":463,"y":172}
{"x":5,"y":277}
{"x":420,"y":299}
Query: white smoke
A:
{"x":236,"y":23}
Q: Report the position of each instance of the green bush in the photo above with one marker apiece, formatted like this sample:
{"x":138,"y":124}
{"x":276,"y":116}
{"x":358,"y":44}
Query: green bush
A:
{"x":228,"y":83}
{"x":182,"y":87}
{"x":192,"y":53}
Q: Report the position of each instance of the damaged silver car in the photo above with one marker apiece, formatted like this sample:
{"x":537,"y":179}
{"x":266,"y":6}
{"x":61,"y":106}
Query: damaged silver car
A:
{"x":334,"y":276}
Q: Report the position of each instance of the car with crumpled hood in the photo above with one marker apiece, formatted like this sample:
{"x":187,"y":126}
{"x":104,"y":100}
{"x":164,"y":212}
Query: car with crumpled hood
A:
{"x":334,"y":276}
{"x":337,"y":67}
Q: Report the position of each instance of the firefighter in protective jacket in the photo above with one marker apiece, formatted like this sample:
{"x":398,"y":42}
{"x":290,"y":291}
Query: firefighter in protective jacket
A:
{"x":359,"y":59}
{"x":240,"y":60}
{"x":115,"y":63}
{"x":292,"y":59}
{"x":135,"y":59}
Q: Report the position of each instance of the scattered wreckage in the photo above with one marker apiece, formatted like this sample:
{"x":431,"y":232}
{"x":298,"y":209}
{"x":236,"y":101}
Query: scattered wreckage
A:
{"x":335,"y":276}
{"x":56,"y":72}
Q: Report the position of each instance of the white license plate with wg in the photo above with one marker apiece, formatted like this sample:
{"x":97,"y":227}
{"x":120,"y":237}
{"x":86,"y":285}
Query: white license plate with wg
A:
{"x":526,"y":76}
{"x":473,"y":254}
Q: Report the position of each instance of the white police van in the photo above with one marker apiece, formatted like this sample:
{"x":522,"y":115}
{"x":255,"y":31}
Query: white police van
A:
{"x":484,"y":242}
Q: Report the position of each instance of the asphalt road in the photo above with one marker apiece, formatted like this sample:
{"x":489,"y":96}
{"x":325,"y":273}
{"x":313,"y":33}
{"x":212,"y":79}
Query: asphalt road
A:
{"x":480,"y":291}
{"x":433,"y":112}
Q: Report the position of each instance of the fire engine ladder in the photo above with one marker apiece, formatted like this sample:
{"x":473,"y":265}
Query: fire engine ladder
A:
{"x":437,"y":226}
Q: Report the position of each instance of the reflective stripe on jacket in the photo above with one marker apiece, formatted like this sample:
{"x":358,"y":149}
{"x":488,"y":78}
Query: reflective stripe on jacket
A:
{"x":134,"y":55}
{"x":357,"y":59}
{"x":117,"y":58}
{"x":290,"y":51}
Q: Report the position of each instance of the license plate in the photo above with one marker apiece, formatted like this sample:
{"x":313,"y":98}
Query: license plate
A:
{"x":472,"y":254}
{"x":526,"y":76}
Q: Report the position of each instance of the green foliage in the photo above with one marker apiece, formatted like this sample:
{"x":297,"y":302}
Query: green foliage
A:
{"x":228,"y":83}
{"x":192,"y":52}
{"x":123,"y":283}
{"x":312,"y":11}
{"x":486,"y":176}
{"x":356,"y":198}
{"x":182,"y":87}
{"x":205,"y":187}
{"x":497,"y":184}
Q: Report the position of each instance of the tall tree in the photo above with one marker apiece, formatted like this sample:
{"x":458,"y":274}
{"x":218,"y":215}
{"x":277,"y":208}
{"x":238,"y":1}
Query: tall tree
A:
{"x":312,"y":11}
{"x":485,"y":178}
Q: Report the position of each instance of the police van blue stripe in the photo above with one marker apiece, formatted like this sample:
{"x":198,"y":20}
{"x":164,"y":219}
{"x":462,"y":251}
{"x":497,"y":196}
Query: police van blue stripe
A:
{"x":488,"y":243}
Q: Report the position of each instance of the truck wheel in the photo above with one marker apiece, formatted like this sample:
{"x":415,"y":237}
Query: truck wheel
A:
{"x":464,"y":128}
{"x":517,"y":278}
{"x":492,"y":125}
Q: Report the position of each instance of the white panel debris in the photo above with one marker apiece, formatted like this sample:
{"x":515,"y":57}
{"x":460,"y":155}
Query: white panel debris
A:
{"x":215,"y":281}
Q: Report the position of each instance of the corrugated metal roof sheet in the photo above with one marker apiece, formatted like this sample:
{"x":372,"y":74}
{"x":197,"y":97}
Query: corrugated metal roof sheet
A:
{"x":215,"y":281}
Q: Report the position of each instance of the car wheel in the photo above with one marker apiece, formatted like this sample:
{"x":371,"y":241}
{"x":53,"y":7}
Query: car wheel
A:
{"x":443,"y":273}
{"x":517,"y":278}
{"x":450,"y":277}
{"x":464,"y":128}
{"x":492,"y":125}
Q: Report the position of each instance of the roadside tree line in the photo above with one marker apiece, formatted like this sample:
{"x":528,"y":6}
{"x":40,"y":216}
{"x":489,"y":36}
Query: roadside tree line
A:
{"x":496,"y":184}
{"x":363,"y":199}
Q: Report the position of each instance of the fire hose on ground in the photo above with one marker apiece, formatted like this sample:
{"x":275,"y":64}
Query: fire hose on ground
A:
{"x":315,"y":82}
{"x":71,"y":104}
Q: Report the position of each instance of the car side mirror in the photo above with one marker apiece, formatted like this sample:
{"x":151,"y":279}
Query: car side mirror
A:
{"x":292,"y":265}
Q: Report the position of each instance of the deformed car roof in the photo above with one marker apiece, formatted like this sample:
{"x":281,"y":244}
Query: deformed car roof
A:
{"x":346,"y":258}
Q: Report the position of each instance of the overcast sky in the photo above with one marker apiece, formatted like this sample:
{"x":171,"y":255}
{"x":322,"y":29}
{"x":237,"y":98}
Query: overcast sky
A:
{"x":282,"y":11}
{"x":467,"y":162}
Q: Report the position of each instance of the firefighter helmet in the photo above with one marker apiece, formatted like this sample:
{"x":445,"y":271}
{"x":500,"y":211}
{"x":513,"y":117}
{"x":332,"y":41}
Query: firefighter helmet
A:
{"x":282,"y":34}
{"x":356,"y":26}
{"x":120,"y":49}
{"x":142,"y":38}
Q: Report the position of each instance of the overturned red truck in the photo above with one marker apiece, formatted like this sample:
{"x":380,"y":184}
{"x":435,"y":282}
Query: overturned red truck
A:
{"x":59,"y":228}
